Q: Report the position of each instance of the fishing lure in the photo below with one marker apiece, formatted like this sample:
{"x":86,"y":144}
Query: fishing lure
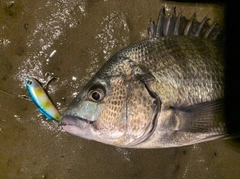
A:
{"x":41,"y":100}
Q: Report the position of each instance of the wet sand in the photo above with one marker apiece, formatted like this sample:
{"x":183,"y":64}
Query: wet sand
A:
{"x":71,"y":40}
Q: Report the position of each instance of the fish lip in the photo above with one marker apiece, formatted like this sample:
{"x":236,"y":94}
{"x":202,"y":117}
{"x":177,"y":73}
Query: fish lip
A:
{"x":74,"y":121}
{"x":77,"y":126}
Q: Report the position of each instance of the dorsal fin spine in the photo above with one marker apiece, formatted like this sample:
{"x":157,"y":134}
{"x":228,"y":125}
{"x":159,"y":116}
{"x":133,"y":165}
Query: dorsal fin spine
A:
{"x":172,"y":24}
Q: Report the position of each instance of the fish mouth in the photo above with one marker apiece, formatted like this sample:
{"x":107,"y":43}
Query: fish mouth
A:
{"x":75,"y":125}
{"x":73,"y":120}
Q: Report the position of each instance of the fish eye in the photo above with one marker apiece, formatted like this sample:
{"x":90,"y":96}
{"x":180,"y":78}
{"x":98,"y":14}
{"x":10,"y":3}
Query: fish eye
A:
{"x":96,"y":94}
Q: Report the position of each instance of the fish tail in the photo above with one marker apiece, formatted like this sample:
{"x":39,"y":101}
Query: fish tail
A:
{"x":173,"y":24}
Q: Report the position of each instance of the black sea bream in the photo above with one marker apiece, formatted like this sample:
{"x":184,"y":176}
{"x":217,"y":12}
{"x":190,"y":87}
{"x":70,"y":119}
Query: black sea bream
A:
{"x":166,"y":91}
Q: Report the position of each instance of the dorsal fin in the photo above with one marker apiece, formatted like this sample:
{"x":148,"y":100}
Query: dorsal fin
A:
{"x":173,"y":24}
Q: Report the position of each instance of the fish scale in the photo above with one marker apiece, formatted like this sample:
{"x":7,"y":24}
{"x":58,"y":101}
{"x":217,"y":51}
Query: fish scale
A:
{"x":202,"y":68}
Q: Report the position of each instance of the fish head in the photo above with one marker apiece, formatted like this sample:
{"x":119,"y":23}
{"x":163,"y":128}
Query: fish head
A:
{"x":115,"y":108}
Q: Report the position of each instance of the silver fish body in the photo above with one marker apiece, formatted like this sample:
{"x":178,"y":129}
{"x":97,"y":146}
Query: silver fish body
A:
{"x":166,"y":91}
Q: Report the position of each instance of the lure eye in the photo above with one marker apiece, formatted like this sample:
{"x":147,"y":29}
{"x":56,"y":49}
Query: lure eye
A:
{"x":29,"y":82}
{"x":96,"y":94}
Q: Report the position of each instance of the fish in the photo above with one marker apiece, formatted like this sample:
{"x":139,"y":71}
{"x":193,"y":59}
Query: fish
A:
{"x":41,"y":100}
{"x":165,"y":91}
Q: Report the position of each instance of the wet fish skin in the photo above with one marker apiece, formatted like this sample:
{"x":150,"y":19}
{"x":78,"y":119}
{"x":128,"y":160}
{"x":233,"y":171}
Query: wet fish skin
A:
{"x":192,"y":68}
{"x":162,"y":92}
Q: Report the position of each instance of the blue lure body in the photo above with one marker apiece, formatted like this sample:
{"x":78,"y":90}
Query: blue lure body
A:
{"x":41,"y":100}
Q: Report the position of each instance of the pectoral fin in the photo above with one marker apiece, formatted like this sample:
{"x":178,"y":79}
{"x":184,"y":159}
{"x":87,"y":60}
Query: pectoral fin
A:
{"x":207,"y":117}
